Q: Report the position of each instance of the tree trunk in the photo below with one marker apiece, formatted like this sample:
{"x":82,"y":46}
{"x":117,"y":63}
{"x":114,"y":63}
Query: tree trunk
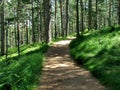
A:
{"x":55,"y":19}
{"x":47,"y":20}
{"x":18,"y":26}
{"x":61,"y":14}
{"x":82,"y":12}
{"x":7,"y":40}
{"x":33,"y":25}
{"x":67,"y":16}
{"x":15,"y":28}
{"x":27,"y":42}
{"x":2,"y":30}
{"x":119,"y":13}
{"x":96,"y":6}
{"x":110,"y":10}
{"x":41,"y":25}
{"x":90,"y":15}
{"x":77,"y":18}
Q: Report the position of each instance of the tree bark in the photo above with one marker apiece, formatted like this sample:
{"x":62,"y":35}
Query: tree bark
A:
{"x":55,"y":19}
{"x":2,"y":30}
{"x":77,"y":18}
{"x":119,"y":13}
{"x":67,"y":16}
{"x":109,"y":19}
{"x":47,"y":20}
{"x":90,"y":15}
{"x":27,"y":42}
{"x":33,"y":25}
{"x":18,"y":26}
{"x":61,"y":14}
{"x":82,"y":12}
{"x":96,"y":5}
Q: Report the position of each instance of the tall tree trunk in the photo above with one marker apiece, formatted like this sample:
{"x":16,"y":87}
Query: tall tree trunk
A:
{"x":41,"y":25}
{"x":47,"y":20}
{"x":110,"y":10}
{"x":85,"y":13}
{"x":33,"y":24}
{"x":55,"y":19}
{"x":38,"y":21}
{"x":67,"y":16}
{"x":7,"y":40}
{"x":119,"y":13}
{"x":96,"y":6}
{"x":18,"y":26}
{"x":82,"y":12}
{"x":77,"y":18}
{"x":15,"y":28}
{"x":2,"y":30}
{"x":27,"y":42}
{"x":64,"y":18}
{"x":61,"y":14}
{"x":90,"y":15}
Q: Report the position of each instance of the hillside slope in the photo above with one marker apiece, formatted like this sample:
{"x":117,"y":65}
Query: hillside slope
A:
{"x":99,"y":52}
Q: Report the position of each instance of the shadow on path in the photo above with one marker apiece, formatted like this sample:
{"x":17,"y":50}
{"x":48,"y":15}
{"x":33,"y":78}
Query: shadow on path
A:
{"x":61,"y":73}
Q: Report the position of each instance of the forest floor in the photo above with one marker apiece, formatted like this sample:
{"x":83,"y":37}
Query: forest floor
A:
{"x":61,"y":73}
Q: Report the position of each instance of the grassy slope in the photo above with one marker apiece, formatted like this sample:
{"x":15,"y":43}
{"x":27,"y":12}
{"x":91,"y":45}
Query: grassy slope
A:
{"x":21,"y":73}
{"x":99,"y":52}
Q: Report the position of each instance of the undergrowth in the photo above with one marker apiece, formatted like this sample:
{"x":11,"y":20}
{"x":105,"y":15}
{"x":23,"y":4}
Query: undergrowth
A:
{"x":22,"y":72}
{"x":99,"y":52}
{"x":63,"y":38}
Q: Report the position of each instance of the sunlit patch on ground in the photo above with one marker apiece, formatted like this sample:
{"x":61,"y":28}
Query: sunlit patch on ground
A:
{"x":64,"y":42}
{"x":56,"y":65}
{"x":61,"y":73}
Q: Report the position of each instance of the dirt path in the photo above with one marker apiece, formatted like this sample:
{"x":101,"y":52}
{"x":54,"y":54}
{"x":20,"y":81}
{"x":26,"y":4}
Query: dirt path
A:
{"x":61,"y":73}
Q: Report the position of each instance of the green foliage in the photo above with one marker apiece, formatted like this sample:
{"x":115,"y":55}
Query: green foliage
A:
{"x":23,"y":72}
{"x":58,"y":39}
{"x":26,"y":49}
{"x":26,"y":1}
{"x":63,"y":38}
{"x":99,"y":52}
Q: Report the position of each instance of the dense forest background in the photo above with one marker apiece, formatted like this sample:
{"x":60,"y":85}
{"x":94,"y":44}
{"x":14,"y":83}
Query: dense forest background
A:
{"x":29,"y":21}
{"x":27,"y":27}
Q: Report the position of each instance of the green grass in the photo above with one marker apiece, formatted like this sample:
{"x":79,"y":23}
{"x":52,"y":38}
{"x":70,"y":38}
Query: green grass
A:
{"x":23,"y":72}
{"x":99,"y":52}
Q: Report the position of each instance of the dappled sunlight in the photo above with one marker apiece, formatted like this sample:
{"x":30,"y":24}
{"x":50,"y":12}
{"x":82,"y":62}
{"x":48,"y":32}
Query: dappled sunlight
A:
{"x":31,"y":49}
{"x":61,"y":73}
{"x":67,"y":78}
{"x":62,"y":42}
{"x":100,"y":54}
{"x":56,"y":65}
{"x":58,"y":57}
{"x":21,"y":72}
{"x":2,"y":58}
{"x":13,"y":55}
{"x":55,"y":62}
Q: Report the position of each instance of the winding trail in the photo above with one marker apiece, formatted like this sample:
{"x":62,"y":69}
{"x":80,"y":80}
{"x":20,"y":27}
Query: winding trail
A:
{"x":61,"y":73}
